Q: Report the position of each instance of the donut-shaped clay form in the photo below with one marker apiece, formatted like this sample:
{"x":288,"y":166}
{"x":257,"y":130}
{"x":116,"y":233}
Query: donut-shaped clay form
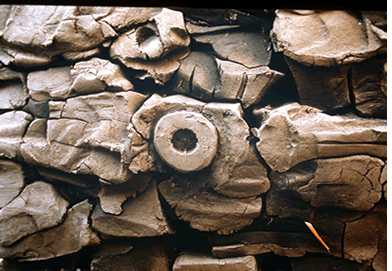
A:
{"x":186,"y":141}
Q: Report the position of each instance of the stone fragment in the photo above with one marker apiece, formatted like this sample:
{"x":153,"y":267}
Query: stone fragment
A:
{"x":91,"y":129}
{"x":235,"y":170}
{"x":326,"y":38}
{"x":365,"y":238}
{"x":111,"y":197}
{"x":141,"y":217}
{"x":302,"y":133}
{"x":287,"y":244}
{"x":13,"y":94}
{"x":53,"y":83}
{"x":325,"y":88}
{"x":12,"y":129}
{"x":144,"y":254}
{"x":369,"y":96}
{"x":70,"y":236}
{"x":96,"y":75}
{"x":249,"y":47}
{"x":383,"y":179}
{"x":190,"y":261}
{"x":37,"y":109}
{"x":195,"y":202}
{"x":38,"y":207}
{"x":351,"y":182}
{"x":11,"y":181}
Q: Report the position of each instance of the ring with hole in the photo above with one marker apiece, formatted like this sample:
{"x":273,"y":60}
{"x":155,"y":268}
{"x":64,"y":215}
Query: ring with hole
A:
{"x":186,"y":141}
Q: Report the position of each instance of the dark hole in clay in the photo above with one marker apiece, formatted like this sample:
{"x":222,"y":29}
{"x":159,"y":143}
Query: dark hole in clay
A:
{"x":184,"y":140}
{"x":144,"y":34}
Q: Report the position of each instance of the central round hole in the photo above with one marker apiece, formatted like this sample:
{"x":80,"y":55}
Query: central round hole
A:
{"x":184,"y":140}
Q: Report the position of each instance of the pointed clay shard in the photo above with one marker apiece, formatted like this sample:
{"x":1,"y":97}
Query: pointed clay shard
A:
{"x":41,"y":88}
{"x":302,"y":133}
{"x":141,"y":217}
{"x":97,"y":75}
{"x":38,"y":207}
{"x":326,"y":38}
{"x":195,"y":202}
{"x":70,"y":236}
{"x":190,"y":261}
{"x":251,"y":48}
{"x":12,"y":129}
{"x":11,"y":181}
{"x":112,"y":197}
{"x":350,"y":182}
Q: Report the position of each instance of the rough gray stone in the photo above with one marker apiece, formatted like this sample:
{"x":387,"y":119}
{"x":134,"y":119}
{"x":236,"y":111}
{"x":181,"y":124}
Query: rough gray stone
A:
{"x":195,"y":202}
{"x":190,"y":261}
{"x":326,"y":38}
{"x":13,"y":94}
{"x":38,"y":207}
{"x":70,"y":236}
{"x":141,"y":217}
{"x":11,"y":181}
{"x":12,"y":129}
{"x":292,"y":134}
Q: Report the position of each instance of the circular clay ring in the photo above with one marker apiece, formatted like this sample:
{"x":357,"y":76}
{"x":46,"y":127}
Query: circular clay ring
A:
{"x":186,"y":141}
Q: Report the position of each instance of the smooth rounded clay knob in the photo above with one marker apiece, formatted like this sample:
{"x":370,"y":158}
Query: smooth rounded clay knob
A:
{"x":186,"y":141}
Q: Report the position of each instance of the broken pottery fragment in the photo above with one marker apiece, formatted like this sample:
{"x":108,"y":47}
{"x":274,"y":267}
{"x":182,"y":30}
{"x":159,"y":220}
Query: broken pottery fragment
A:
{"x":11,"y":181}
{"x":96,"y":75}
{"x":155,"y":47}
{"x":370,"y":95}
{"x":233,"y":166}
{"x":326,"y":38}
{"x":141,"y":254}
{"x":38,"y":207}
{"x":141,"y":217}
{"x":12,"y":129}
{"x":250,"y":47}
{"x":41,"y":88}
{"x":90,"y":129}
{"x":191,"y":261}
{"x":195,"y":202}
{"x":372,"y":248}
{"x":70,"y":236}
{"x":74,"y":32}
{"x":325,"y":88}
{"x":111,"y":197}
{"x":350,"y":182}
{"x":244,"y":84}
{"x":324,"y":263}
{"x":292,"y":134}
{"x":287,"y":244}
